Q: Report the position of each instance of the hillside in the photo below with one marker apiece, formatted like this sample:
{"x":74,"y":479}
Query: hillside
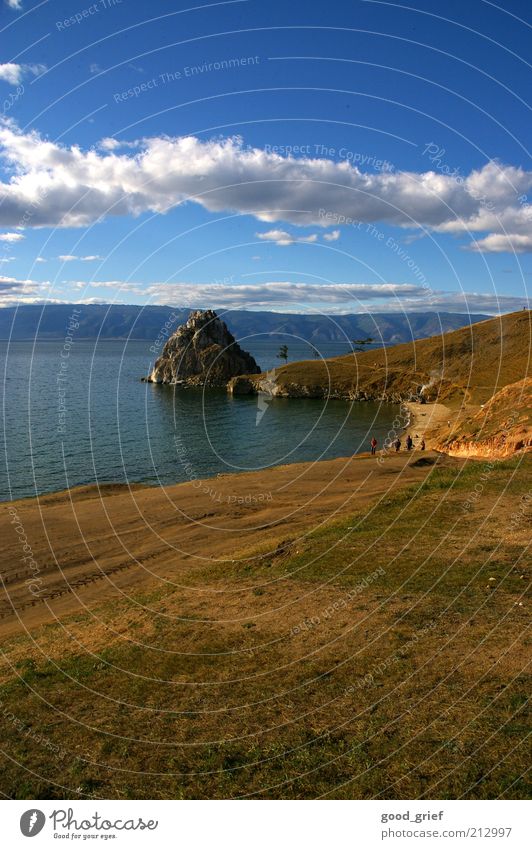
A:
{"x":120,"y":321}
{"x":469,"y":365}
{"x":382,"y":655}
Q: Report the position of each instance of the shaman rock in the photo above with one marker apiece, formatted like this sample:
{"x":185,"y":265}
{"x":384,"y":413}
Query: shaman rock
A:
{"x":202,"y":352}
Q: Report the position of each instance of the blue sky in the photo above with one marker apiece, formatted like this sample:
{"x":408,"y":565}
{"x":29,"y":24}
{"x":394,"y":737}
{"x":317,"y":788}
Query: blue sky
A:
{"x":302,"y":156}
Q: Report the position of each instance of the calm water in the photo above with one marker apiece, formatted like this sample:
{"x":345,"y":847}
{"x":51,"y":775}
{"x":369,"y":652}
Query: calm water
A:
{"x":107,"y":426}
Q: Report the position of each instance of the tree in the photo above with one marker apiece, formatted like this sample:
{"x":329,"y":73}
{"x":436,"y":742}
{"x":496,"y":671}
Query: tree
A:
{"x":362,"y":344}
{"x":315,"y":353}
{"x":283,"y":353}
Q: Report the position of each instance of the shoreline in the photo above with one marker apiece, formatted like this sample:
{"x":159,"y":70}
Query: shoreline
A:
{"x":92,"y":544}
{"x":426,"y":421}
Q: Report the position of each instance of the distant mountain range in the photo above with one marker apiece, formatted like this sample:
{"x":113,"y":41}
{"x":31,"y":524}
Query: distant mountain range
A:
{"x":118,"y":321}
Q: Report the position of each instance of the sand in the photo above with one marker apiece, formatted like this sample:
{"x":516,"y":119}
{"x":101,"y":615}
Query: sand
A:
{"x":90,"y":544}
{"x":428,"y":422}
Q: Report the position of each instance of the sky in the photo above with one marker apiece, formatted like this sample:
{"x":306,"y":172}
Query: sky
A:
{"x":306,"y":157}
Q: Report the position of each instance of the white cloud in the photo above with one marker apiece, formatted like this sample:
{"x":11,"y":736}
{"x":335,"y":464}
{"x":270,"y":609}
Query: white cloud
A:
{"x":328,"y":298}
{"x":332,"y":237}
{"x":94,"y":68}
{"x":503,"y":242}
{"x":280,"y":294}
{"x":72,"y":258}
{"x":13,"y":73}
{"x":106,"y":284}
{"x":40,"y":259}
{"x":14,"y":4}
{"x":109,"y":144}
{"x":11,"y":237}
{"x":42,"y":299}
{"x":281,"y":237}
{"x":69,"y":187}
{"x":12,"y":286}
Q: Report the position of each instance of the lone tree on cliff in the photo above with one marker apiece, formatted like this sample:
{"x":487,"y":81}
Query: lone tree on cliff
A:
{"x":283,"y":353}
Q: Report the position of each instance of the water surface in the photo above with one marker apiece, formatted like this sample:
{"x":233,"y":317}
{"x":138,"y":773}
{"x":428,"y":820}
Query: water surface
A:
{"x":79,"y":414}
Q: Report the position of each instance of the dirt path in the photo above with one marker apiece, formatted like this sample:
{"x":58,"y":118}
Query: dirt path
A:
{"x":88,"y":544}
{"x":429,"y":421}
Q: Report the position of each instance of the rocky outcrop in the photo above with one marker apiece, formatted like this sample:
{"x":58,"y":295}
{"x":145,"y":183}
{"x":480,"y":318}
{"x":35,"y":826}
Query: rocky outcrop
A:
{"x":497,"y":448}
{"x":202,"y":352}
{"x":274,"y":385}
{"x":499,"y":429}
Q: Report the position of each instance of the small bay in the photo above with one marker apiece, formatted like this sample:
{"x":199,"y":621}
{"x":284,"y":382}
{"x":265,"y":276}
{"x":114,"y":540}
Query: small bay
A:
{"x":79,"y":414}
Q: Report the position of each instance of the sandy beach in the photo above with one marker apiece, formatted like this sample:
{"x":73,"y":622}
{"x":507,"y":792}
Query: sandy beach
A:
{"x":428,"y":422}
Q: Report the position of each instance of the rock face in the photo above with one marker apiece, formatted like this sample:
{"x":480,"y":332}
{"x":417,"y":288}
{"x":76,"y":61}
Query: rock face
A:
{"x":500,"y":428}
{"x":202,"y":352}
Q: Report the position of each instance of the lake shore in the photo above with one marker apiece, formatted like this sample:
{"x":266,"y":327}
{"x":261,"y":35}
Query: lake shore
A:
{"x":428,"y":422}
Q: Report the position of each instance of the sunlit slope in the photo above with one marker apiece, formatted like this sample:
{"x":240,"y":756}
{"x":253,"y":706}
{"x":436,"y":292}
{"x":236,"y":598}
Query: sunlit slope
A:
{"x":474,"y":362}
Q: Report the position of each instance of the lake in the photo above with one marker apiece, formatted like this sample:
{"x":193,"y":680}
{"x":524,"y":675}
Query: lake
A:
{"x":79,"y":414}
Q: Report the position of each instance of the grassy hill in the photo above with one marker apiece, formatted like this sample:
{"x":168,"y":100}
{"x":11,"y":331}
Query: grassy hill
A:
{"x":381,"y":656}
{"x":471,"y":363}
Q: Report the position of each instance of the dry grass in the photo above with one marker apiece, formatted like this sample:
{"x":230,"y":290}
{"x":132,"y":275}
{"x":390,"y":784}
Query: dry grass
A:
{"x":472,"y":363}
{"x":276,"y":677}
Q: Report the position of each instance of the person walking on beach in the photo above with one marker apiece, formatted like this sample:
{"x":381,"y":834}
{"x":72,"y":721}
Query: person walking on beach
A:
{"x":373,"y":445}
{"x":409,"y":443}
{"x":397,"y":444}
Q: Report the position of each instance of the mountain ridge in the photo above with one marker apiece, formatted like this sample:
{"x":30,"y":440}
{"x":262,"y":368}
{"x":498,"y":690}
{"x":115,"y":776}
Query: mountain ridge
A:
{"x":123,"y":321}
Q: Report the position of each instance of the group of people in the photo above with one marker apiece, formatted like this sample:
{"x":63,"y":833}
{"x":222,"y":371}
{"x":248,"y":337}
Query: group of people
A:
{"x":397,"y":444}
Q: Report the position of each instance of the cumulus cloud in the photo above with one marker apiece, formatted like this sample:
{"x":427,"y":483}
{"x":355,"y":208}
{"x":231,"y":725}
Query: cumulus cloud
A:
{"x":70,"y":187}
{"x":281,"y":237}
{"x":14,"y":4}
{"x":11,"y":237}
{"x":332,"y":237}
{"x":503,"y":243}
{"x":13,"y":73}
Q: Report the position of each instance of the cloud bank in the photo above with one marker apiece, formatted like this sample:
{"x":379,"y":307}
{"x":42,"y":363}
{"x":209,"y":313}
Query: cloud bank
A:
{"x":283,"y":296}
{"x":70,"y":187}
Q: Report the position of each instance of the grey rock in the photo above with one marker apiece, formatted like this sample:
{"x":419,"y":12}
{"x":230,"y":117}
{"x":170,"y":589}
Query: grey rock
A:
{"x":202,"y":352}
